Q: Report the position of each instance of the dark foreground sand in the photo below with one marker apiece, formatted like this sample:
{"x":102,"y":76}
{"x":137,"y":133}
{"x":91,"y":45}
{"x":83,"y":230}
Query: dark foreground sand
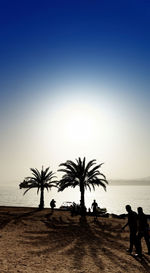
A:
{"x":36,"y":241}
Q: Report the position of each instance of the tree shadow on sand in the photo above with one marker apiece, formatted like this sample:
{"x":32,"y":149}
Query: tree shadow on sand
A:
{"x":17,"y":217}
{"x":14,"y":217}
{"x":81,"y":241}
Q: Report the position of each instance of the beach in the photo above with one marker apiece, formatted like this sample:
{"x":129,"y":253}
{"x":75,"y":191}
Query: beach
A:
{"x":38,"y":241}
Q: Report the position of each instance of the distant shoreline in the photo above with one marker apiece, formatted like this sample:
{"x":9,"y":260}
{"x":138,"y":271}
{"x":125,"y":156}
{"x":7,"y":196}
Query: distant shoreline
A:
{"x":128,"y":183}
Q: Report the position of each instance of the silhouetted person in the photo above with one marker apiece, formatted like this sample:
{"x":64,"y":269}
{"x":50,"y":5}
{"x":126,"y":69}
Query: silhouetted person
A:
{"x":52,"y":204}
{"x":143,"y":230}
{"x":132,"y":223}
{"x":73,"y":209}
{"x":94,"y":207}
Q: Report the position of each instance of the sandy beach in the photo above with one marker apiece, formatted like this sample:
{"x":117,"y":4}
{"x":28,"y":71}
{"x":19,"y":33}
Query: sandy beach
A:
{"x":36,"y":241}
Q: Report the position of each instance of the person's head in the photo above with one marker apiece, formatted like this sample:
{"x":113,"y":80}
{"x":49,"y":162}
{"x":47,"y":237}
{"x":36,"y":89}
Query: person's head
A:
{"x":128,"y":208}
{"x":140,"y":210}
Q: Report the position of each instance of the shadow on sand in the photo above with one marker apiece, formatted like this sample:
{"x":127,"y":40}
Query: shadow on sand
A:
{"x":80,"y":240}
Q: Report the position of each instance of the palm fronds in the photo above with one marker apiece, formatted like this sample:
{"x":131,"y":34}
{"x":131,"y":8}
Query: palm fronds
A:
{"x":82,"y":175}
{"x":40,"y":180}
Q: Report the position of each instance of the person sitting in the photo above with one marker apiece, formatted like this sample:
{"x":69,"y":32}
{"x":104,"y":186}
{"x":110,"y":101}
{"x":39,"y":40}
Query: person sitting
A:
{"x":52,"y":204}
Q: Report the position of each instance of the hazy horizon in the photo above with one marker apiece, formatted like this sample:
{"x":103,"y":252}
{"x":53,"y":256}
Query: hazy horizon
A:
{"x":74,"y":82}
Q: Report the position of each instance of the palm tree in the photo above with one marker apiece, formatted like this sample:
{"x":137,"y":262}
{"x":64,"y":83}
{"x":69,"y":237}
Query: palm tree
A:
{"x":82,"y":175}
{"x":39,"y":180}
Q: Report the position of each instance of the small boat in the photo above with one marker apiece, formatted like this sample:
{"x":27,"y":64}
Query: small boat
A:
{"x":101,"y":210}
{"x":67,"y":205}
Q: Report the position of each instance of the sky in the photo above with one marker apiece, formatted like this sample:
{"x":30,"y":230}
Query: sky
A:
{"x":74,"y":81}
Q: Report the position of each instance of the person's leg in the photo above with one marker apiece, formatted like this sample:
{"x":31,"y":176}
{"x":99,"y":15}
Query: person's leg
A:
{"x":146,"y":237}
{"x":131,"y":242}
{"x":138,"y":244}
{"x":96,"y":215}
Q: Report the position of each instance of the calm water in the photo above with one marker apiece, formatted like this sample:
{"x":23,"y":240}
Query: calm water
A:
{"x":114,"y":199}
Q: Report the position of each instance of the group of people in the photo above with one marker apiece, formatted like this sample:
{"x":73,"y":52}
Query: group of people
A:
{"x":139,"y":228}
{"x":75,"y":209}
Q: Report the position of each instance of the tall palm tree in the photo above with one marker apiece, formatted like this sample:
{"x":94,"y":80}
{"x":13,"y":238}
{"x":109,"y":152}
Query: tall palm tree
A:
{"x":82,"y":175}
{"x":40,"y":180}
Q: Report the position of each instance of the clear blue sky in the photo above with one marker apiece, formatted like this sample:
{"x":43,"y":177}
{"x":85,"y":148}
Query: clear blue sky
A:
{"x":90,"y":57}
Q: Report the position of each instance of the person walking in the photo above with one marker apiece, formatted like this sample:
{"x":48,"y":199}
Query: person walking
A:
{"x":143,"y":228}
{"x":132,"y":223}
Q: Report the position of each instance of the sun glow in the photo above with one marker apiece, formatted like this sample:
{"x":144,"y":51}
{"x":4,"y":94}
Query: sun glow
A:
{"x":77,"y":127}
{"x":78,"y":124}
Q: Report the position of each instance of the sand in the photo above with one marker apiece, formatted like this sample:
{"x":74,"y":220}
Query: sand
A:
{"x":36,"y":241}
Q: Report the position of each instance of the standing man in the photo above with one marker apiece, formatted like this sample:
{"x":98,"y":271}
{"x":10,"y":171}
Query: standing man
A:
{"x":132,"y":223}
{"x":143,"y":230}
{"x":94,"y":207}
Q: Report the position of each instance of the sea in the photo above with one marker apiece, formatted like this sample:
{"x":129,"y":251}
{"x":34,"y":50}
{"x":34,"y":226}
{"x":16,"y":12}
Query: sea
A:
{"x":114,"y":199}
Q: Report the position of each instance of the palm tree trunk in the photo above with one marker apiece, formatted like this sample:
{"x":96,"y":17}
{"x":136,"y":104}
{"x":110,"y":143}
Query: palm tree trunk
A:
{"x":41,"y":206}
{"x":82,"y":203}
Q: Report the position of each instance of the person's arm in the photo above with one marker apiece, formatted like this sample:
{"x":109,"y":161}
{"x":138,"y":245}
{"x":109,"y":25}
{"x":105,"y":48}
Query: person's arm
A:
{"x":125,"y":226}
